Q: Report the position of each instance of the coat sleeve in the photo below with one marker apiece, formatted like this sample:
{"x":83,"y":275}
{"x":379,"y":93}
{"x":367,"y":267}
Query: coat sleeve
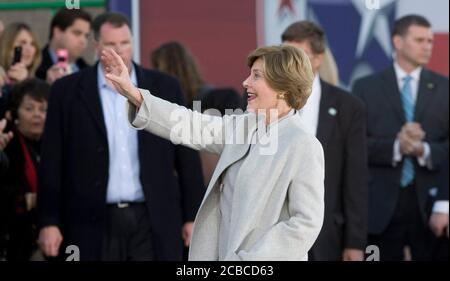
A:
{"x":380,"y":150}
{"x":50,"y":168}
{"x":355,"y":187}
{"x":4,"y":162}
{"x":439,"y":147}
{"x":179,"y":124}
{"x":294,"y":237}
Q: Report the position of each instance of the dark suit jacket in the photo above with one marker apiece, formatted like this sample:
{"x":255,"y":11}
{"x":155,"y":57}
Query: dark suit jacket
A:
{"x":381,"y":95}
{"x":343,"y":138}
{"x":4,"y":163}
{"x":74,"y":168}
{"x":15,"y":220}
{"x":47,"y":62}
{"x":443,"y":188}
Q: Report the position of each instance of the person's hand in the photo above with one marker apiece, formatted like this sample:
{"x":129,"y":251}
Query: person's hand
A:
{"x":54,"y":73}
{"x":411,"y":139}
{"x":4,"y":137}
{"x":439,"y":224}
{"x":17,"y":72}
{"x":407,"y":144}
{"x":117,"y":73}
{"x":352,"y":255}
{"x":187,"y":233}
{"x":414,"y":130}
{"x":50,"y":239}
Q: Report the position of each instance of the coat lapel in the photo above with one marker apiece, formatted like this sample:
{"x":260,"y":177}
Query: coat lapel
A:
{"x":91,"y":97}
{"x":238,"y":151}
{"x":424,"y":94}
{"x":327,"y":115}
{"x":392,"y":92}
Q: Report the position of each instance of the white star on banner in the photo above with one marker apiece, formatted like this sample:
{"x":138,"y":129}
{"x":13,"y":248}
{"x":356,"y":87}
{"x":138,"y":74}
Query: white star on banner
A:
{"x":374,"y":24}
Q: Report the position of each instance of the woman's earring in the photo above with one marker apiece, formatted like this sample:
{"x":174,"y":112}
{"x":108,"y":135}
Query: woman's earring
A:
{"x":281,"y":96}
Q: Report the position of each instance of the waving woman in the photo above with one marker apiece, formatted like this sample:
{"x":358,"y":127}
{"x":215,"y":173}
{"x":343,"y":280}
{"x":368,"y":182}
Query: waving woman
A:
{"x":263,"y":203}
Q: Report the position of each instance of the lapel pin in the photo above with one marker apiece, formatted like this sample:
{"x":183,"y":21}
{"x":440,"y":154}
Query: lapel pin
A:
{"x":332,"y":111}
{"x":430,"y":86}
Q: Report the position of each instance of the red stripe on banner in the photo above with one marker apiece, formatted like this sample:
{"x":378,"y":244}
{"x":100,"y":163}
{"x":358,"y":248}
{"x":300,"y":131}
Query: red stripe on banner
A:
{"x":220,"y":34}
{"x":439,"y":60}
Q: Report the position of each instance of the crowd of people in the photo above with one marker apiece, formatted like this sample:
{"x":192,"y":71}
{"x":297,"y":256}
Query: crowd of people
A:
{"x":74,"y":172}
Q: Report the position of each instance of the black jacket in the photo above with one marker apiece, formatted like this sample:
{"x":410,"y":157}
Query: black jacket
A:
{"x":342,"y":132}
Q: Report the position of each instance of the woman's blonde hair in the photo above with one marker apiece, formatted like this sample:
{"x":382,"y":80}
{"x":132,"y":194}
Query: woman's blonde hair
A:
{"x":7,"y":45}
{"x":287,"y":71}
{"x":328,"y":70}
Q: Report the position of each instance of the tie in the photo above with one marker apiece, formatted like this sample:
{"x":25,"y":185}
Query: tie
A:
{"x":408,"y":107}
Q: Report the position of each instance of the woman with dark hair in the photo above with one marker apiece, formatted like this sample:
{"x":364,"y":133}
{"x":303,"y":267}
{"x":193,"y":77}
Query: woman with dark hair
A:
{"x":18,"y":186}
{"x":174,"y":59}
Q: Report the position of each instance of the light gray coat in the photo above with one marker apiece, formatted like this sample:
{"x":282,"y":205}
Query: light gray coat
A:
{"x":278,"y":200}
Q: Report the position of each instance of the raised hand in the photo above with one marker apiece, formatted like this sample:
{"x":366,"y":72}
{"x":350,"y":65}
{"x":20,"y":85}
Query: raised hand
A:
{"x":4,"y":137}
{"x":54,"y":73}
{"x":18,"y":72}
{"x":117,"y":73}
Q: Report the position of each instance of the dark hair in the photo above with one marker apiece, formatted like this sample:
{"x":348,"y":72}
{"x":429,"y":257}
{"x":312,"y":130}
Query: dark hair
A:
{"x":64,"y":18}
{"x":306,"y":30}
{"x":173,"y":58}
{"x":35,"y":88}
{"x":402,"y":24}
{"x":221,"y":99}
{"x":115,"y":19}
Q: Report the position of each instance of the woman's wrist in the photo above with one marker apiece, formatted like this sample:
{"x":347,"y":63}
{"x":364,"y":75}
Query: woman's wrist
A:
{"x":136,"y":97}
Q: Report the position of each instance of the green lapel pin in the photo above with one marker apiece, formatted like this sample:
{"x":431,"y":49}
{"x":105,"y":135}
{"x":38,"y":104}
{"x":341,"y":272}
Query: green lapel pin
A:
{"x":332,"y":111}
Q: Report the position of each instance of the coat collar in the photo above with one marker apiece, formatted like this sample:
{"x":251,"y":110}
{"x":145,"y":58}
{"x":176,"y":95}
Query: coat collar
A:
{"x":91,"y":97}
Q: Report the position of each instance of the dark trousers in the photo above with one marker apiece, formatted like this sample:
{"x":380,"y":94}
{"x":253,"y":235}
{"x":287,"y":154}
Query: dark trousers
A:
{"x":440,"y":248}
{"x":22,"y":237}
{"x":127,"y":235}
{"x":405,"y":229}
